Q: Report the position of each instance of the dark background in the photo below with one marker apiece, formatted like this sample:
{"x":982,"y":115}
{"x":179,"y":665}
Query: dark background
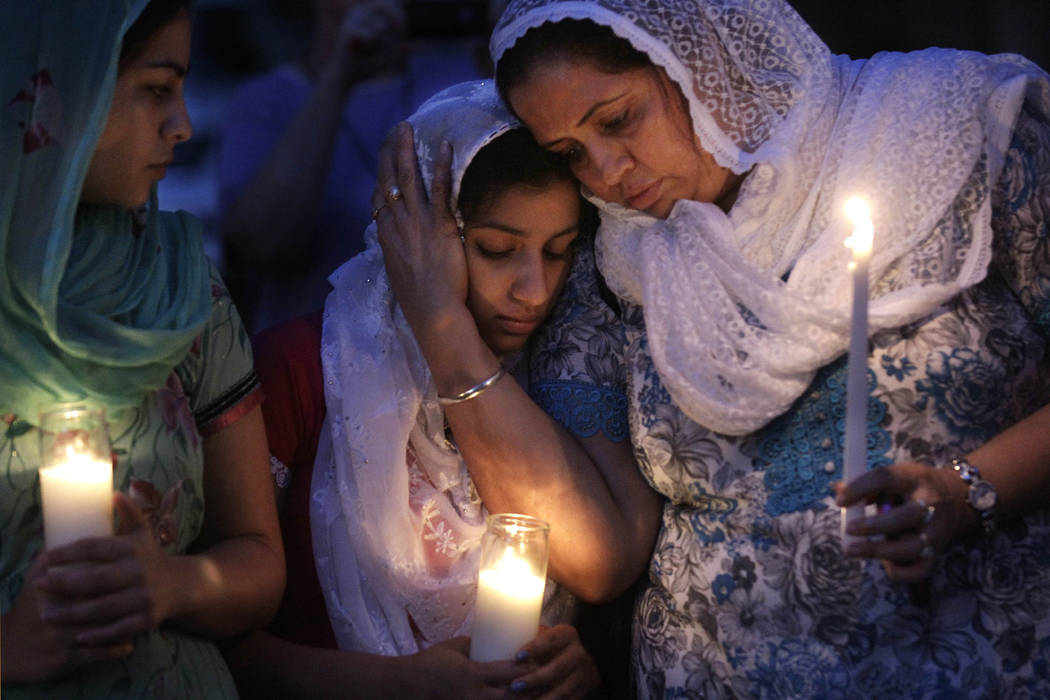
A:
{"x":235,"y":39}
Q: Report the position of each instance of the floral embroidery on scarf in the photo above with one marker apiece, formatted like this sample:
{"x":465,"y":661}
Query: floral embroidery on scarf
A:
{"x":38,"y":100}
{"x":159,"y":511}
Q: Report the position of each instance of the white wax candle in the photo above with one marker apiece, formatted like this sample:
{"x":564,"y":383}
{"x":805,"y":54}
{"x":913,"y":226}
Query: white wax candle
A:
{"x":855,"y":453}
{"x":507,"y":609}
{"x":77,"y":498}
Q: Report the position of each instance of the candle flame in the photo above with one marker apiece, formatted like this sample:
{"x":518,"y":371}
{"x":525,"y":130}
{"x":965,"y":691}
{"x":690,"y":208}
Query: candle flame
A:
{"x":857,"y":210}
{"x":513,"y":576}
{"x":863,"y":232}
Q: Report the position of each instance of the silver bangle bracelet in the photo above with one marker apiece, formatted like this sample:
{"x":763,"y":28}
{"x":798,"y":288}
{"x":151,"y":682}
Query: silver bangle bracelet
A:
{"x":474,"y":391}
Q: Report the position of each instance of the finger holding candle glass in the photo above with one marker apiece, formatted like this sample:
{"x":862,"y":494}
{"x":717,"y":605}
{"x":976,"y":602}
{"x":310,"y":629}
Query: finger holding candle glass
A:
{"x":559,"y":665}
{"x":117,"y":588}
{"x":48,"y":649}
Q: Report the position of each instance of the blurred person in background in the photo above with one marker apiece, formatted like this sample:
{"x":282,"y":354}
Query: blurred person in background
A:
{"x":299,"y":150}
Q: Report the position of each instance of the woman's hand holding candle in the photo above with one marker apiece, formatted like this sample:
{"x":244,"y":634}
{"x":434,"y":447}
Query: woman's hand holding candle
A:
{"x":37,"y":648}
{"x":111,"y":588}
{"x":86,"y":601}
{"x":559,"y":666}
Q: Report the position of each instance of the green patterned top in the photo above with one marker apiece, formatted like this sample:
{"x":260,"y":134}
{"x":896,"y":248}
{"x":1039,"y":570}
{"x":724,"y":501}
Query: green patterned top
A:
{"x":158,"y":461}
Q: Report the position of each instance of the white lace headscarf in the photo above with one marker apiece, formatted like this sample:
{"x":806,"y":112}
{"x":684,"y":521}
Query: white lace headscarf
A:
{"x":396,"y":520}
{"x":742,"y":308}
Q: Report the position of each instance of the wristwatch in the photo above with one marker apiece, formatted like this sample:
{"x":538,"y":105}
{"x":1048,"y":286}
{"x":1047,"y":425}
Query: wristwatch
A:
{"x":981,"y":495}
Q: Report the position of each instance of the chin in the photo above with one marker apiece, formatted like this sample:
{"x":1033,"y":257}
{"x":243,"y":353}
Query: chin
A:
{"x":503,"y":345}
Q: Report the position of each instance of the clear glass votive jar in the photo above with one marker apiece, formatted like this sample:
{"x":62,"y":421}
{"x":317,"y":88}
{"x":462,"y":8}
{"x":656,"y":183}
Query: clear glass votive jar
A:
{"x":511,"y":578}
{"x":76,"y":473}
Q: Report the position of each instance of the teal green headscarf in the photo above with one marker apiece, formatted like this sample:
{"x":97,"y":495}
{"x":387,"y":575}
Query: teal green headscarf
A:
{"x":94,"y":303}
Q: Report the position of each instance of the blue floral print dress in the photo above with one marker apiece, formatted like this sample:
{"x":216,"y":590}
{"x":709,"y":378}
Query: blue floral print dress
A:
{"x":748,"y":592}
{"x":158,"y":461}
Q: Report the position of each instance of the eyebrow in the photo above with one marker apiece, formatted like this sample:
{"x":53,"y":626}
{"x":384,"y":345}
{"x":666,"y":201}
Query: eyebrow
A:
{"x":179,"y":69}
{"x":587,"y":115}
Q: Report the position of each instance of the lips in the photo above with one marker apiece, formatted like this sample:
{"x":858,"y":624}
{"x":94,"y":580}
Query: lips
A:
{"x":646,"y":197}
{"x":159,"y":169}
{"x":519,"y":326}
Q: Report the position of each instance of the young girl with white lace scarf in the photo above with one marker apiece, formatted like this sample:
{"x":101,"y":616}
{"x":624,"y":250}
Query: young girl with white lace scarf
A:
{"x":395,"y":517}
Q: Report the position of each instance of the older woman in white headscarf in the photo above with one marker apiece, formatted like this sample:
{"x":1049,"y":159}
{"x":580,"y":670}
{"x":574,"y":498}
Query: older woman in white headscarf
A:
{"x":720,"y":140}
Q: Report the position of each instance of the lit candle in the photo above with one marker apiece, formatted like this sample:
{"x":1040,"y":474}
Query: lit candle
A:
{"x":76,"y":475}
{"x":511,"y":579}
{"x":855,"y":456}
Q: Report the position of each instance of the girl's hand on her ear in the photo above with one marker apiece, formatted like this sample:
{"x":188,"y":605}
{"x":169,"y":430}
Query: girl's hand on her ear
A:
{"x":110,"y":589}
{"x":38,"y":648}
{"x":420,"y":239}
{"x":558,"y":666}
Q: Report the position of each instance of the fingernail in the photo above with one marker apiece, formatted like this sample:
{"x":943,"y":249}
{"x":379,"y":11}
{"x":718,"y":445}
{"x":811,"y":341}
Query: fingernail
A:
{"x":522,"y":655}
{"x":446,"y":148}
{"x":518,"y":686}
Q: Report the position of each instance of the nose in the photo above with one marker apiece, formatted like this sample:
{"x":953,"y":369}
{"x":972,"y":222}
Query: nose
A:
{"x":530,"y":286}
{"x":611,"y":164}
{"x":177,"y":126}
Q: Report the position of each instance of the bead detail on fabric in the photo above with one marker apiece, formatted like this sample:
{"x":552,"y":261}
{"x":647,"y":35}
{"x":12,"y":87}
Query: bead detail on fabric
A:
{"x":803,"y":448}
{"x":584,"y":409}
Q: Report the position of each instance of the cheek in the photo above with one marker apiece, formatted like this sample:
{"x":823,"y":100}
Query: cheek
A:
{"x":483,"y":289}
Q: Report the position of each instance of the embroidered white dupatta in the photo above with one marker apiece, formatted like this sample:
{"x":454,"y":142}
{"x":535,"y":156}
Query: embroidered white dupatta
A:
{"x":742,"y":308}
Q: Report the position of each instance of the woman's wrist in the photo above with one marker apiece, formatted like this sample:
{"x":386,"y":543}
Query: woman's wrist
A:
{"x":460,"y":365}
{"x":964,"y":519}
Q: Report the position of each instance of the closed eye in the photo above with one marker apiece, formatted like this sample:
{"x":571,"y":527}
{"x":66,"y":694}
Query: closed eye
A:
{"x":614,"y":124}
{"x":492,"y":253}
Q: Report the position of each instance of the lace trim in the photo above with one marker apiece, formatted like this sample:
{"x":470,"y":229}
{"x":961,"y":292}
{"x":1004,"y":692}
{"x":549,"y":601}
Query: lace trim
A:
{"x":584,"y":409}
{"x":282,"y":475}
{"x":801,"y":451}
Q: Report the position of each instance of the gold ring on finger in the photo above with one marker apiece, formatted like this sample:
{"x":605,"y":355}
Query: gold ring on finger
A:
{"x":376,"y":210}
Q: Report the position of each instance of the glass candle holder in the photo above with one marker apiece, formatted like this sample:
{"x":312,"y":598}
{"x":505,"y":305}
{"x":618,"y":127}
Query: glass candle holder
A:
{"x":511,"y":577}
{"x":76,"y":473}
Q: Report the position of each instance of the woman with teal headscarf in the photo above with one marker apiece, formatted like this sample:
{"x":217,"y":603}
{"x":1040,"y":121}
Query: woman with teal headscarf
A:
{"x":105,"y":299}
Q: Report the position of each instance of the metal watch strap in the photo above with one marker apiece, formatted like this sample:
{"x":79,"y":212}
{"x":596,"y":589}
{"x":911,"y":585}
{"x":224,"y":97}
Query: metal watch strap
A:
{"x":972,"y":476}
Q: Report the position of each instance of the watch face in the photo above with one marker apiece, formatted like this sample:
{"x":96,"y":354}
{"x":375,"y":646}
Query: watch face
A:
{"x":982,"y":495}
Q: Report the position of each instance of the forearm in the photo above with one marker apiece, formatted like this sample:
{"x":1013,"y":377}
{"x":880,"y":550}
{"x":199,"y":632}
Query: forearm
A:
{"x":1017,"y":463}
{"x":264,"y":222}
{"x":269,"y":666}
{"x":603,"y":515}
{"x":232,"y":587}
{"x":233,"y":578}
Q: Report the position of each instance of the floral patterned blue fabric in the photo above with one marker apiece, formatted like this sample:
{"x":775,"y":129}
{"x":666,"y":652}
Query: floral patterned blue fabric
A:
{"x":576,"y":372}
{"x":748,"y":594}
